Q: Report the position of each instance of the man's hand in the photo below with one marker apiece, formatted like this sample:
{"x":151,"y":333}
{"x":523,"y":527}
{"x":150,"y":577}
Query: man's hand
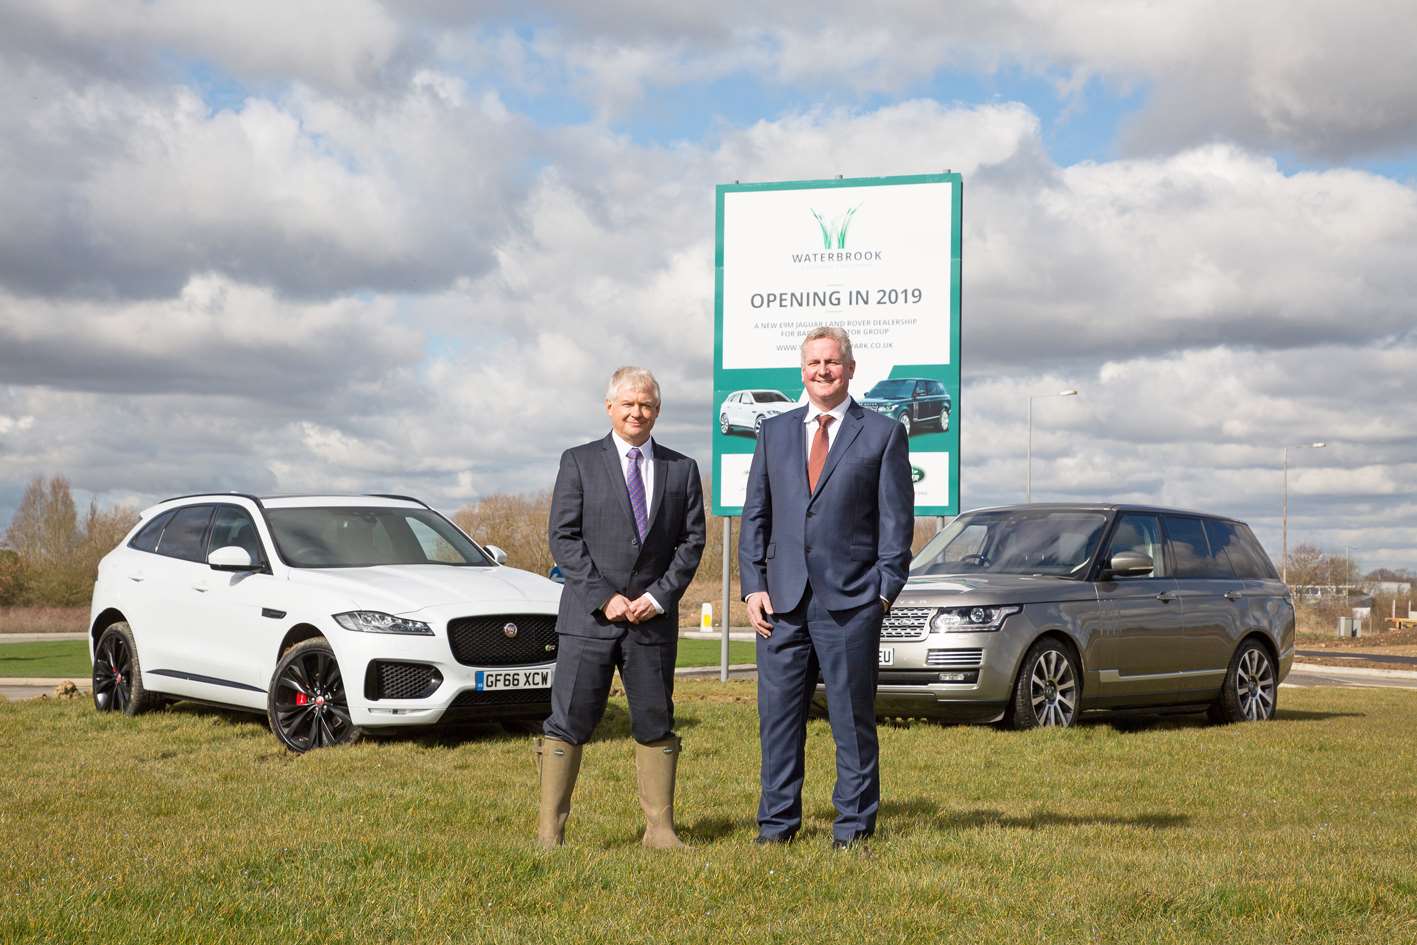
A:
{"x":642,"y":609}
{"x":760,"y":613}
{"x":617,"y":609}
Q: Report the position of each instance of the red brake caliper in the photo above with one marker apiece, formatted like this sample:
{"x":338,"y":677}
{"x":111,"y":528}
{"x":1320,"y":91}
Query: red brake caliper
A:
{"x":302,"y":699}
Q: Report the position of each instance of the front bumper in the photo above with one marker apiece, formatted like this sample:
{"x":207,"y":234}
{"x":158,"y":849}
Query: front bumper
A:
{"x":456,"y":691}
{"x":967,"y":677}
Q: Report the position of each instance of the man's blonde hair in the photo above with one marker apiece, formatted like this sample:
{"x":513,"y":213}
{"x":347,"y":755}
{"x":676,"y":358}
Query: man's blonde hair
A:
{"x":635,"y":378}
{"x":836,"y":334}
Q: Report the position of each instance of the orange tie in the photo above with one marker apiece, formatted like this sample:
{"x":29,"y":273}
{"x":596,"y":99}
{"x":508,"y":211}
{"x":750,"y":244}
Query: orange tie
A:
{"x":818,"y":457}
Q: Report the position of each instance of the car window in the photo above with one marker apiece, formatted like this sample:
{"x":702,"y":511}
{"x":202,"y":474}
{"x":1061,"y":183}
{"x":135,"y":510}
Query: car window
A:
{"x":1226,"y":541}
{"x":350,"y":537}
{"x":922,"y":388}
{"x":936,"y":388}
{"x":772,"y":397}
{"x":1142,"y":534}
{"x":435,"y":547}
{"x":146,"y":539}
{"x":1015,"y":541}
{"x":1190,"y":551}
{"x":182,"y":538}
{"x":891,"y":390}
{"x":1256,"y":550}
{"x":233,"y":526}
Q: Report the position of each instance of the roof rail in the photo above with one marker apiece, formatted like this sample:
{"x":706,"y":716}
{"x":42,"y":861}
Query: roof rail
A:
{"x":205,"y":495}
{"x":404,"y":498}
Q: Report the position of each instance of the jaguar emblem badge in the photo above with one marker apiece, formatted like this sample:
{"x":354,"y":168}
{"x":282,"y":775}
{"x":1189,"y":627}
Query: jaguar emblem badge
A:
{"x":509,"y":630}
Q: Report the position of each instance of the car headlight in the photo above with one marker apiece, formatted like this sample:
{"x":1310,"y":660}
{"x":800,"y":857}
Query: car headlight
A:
{"x":372,"y":621}
{"x":970,"y":619}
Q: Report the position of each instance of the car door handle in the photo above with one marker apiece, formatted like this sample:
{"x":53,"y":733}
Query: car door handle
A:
{"x":1233,"y":595}
{"x":201,"y":588}
{"x":1166,"y":597}
{"x":136,"y":578}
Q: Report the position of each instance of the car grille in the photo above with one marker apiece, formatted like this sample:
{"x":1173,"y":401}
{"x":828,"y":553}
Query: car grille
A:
{"x":480,"y":641}
{"x":906,"y":623}
{"x":386,"y":679}
{"x":955,"y":659}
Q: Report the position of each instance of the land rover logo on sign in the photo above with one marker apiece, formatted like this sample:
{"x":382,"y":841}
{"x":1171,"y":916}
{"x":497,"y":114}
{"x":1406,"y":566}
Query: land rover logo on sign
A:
{"x":509,"y":630}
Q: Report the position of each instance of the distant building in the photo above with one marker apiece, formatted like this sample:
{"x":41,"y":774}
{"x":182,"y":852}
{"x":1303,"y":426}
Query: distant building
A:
{"x":1391,"y":588}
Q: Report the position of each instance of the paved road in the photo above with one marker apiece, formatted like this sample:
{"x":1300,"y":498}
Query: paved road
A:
{"x":1308,"y":674}
{"x":1362,"y":657}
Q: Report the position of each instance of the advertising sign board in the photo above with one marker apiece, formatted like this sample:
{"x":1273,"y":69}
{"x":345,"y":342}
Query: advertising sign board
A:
{"x":880,"y":257}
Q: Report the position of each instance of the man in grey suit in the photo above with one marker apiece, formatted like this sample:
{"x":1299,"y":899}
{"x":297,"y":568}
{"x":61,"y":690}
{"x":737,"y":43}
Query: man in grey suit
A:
{"x":824,"y":549}
{"x":627,"y":531}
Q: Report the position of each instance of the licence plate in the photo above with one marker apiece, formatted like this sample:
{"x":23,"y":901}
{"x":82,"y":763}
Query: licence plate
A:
{"x":487,"y":680}
{"x":887,"y":656}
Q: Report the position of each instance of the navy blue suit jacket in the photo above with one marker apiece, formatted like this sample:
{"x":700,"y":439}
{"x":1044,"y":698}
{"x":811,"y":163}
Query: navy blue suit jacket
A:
{"x":851,"y":538}
{"x":593,"y":539}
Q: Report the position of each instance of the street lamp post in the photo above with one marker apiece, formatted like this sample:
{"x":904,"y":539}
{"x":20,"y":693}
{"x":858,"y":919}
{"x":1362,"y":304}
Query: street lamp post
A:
{"x":1284,"y":561}
{"x":1028,"y":465}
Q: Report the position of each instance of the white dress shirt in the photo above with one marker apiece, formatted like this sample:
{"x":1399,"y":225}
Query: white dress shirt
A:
{"x":646,"y":476}
{"x":646,"y":466}
{"x":838,"y":414}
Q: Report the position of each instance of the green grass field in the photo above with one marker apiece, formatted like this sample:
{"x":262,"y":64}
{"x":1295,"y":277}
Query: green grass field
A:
{"x":191,"y":825}
{"x":70,"y":658}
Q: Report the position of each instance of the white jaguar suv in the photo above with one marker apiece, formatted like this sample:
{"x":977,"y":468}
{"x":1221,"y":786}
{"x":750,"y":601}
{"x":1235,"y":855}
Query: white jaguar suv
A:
{"x":331,"y":614}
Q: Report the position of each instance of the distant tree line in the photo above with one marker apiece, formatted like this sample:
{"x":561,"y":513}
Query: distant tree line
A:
{"x":50,"y":552}
{"x":50,"y":555}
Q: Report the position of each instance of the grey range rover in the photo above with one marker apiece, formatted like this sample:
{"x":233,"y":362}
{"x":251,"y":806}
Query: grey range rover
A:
{"x":1034,"y":614}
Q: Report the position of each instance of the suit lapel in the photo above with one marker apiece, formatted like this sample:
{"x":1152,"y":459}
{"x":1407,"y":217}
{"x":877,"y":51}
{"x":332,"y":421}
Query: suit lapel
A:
{"x":617,"y":482}
{"x":850,"y":429}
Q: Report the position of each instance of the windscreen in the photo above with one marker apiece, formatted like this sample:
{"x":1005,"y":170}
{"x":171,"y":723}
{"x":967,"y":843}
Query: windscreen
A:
{"x":1054,"y":542}
{"x":892,"y":389}
{"x":343,"y":537}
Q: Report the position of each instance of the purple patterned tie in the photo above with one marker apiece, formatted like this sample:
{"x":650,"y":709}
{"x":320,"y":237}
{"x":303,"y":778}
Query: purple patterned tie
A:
{"x":636,"y":487}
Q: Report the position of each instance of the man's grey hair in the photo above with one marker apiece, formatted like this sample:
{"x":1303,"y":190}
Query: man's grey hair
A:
{"x":635,"y":378}
{"x":836,"y":334}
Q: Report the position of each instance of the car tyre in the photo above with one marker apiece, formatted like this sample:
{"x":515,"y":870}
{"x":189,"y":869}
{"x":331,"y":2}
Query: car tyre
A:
{"x":1251,"y":690}
{"x":1048,"y":688}
{"x":723,"y":425}
{"x":758,"y":425}
{"x":117,"y":674}
{"x":903,"y":418}
{"x":307,"y":706}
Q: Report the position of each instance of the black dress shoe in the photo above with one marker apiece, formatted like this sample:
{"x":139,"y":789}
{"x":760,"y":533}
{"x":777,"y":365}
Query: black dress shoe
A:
{"x":770,"y":839}
{"x":851,"y":843}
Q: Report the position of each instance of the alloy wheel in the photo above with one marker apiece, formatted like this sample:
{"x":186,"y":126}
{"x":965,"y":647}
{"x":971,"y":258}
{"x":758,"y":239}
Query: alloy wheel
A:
{"x":723,"y":425}
{"x":904,"y":420}
{"x":310,"y":706}
{"x":112,"y":674}
{"x":1053,"y":690}
{"x":1254,"y":684}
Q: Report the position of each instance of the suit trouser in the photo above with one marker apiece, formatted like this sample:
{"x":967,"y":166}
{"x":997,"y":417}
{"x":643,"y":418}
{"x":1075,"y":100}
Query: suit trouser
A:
{"x":585,"y":667}
{"x":845,"y":646}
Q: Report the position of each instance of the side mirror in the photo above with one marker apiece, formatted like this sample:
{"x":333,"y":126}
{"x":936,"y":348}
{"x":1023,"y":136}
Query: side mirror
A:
{"x":230,"y":558}
{"x":1130,"y":564}
{"x":498,"y":555}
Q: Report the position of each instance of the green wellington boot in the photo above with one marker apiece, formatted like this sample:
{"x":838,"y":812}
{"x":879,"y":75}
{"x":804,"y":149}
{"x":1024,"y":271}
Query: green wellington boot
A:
{"x":557,"y":764}
{"x":654,"y":764}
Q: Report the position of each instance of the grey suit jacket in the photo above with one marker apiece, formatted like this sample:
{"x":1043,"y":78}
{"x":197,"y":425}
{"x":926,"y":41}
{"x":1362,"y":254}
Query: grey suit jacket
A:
{"x":593,"y":539}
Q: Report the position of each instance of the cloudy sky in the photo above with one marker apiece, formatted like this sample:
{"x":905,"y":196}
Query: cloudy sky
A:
{"x":289,"y":245}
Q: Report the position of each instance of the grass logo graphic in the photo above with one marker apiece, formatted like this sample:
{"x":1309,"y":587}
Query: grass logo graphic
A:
{"x":834,"y":230}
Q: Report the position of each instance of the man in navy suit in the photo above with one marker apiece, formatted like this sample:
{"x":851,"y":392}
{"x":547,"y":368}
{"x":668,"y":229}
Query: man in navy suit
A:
{"x":824,"y":549}
{"x":627,"y":530}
